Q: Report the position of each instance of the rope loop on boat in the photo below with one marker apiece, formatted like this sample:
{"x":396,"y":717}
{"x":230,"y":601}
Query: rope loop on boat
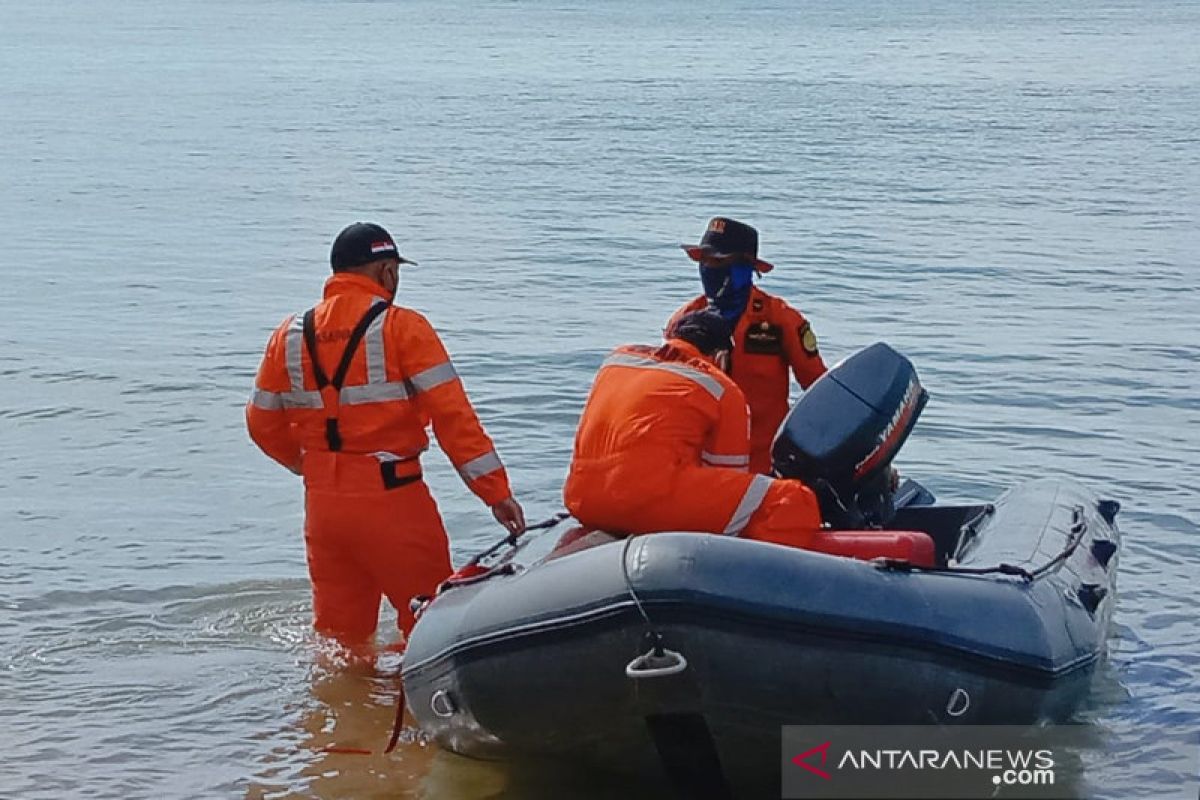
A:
{"x":656,"y":662}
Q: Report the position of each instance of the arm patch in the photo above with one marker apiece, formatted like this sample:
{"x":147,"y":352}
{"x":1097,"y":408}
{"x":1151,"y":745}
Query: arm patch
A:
{"x":808,"y":339}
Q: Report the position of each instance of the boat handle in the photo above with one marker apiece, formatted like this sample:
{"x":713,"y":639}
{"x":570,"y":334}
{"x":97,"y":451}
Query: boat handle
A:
{"x":656,"y":663}
{"x":442,"y":704}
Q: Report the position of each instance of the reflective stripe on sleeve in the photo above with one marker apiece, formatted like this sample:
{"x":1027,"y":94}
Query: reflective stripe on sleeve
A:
{"x":724,"y":461}
{"x":478,"y":467}
{"x":709,"y":383}
{"x":434,"y":377}
{"x":267,"y":401}
{"x":751,"y":500}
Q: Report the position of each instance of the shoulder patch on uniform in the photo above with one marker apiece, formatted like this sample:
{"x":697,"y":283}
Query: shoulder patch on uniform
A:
{"x":808,"y":339}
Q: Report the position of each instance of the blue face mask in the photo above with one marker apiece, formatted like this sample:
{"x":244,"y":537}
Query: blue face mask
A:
{"x":728,"y":289}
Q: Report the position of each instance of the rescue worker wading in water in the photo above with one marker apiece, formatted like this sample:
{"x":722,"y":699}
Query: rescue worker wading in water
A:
{"x":663,"y":445}
{"x":770,"y":337}
{"x":343,"y":397}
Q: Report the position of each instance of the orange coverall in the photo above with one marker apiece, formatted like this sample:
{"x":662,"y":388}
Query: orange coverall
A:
{"x":371,"y":526}
{"x":663,"y":445}
{"x":770,"y":337}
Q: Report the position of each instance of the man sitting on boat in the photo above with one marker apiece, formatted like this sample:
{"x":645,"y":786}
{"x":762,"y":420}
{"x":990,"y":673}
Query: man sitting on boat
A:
{"x":664,"y":445}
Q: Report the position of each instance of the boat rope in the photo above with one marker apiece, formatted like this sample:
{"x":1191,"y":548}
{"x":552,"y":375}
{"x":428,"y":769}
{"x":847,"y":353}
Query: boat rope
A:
{"x":512,"y":539}
{"x":397,"y":728}
{"x":1075,"y":537}
{"x":652,"y":635}
{"x":474,"y":571}
{"x":398,"y":724}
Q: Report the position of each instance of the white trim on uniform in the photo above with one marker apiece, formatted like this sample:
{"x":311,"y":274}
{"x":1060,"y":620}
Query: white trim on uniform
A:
{"x":373,"y":393}
{"x":373,"y":347}
{"x":384,"y":456}
{"x":293,"y":340}
{"x":377,"y":389}
{"x":478,"y":467}
{"x":434,"y":377}
{"x":267,"y":401}
{"x":302,"y":399}
{"x":708,"y":382}
{"x":751,"y":500}
{"x":724,"y":461}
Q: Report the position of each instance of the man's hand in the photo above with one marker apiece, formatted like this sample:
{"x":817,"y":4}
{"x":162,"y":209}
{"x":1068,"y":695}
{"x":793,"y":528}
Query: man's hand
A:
{"x":509,"y":514}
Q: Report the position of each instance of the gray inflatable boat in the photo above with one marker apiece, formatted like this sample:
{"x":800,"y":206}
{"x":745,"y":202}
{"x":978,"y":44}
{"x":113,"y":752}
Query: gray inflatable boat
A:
{"x":687,"y":652}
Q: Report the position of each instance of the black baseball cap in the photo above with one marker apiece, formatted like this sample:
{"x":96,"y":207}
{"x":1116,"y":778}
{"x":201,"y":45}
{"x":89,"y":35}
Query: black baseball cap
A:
{"x":727,"y":237}
{"x":706,"y":329}
{"x":362,"y":243}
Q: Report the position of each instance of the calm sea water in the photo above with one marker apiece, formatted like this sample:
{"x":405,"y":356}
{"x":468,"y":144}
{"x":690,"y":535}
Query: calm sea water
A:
{"x":1008,"y":192}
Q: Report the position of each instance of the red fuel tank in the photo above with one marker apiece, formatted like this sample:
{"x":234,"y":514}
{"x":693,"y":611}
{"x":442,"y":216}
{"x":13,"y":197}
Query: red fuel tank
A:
{"x":915,"y":547}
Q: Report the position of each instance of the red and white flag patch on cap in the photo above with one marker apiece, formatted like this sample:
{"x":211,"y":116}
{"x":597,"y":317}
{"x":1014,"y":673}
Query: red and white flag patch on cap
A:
{"x":383,"y":247}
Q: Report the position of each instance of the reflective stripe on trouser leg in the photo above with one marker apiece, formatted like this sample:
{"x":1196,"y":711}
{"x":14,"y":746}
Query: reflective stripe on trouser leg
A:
{"x":789,"y":515}
{"x":750,"y":502}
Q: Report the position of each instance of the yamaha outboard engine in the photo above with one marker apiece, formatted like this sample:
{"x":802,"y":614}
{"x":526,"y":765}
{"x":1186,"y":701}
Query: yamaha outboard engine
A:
{"x":841,"y":436}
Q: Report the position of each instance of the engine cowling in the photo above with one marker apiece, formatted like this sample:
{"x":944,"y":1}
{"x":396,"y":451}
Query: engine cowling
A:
{"x":842,"y":435}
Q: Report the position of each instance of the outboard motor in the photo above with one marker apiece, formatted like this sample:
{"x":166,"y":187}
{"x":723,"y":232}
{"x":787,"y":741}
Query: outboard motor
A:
{"x":841,"y":436}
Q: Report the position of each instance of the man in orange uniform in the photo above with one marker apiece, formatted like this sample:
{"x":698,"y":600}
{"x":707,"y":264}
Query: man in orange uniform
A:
{"x":343,"y":397}
{"x":664,"y":444}
{"x":769,"y":335}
